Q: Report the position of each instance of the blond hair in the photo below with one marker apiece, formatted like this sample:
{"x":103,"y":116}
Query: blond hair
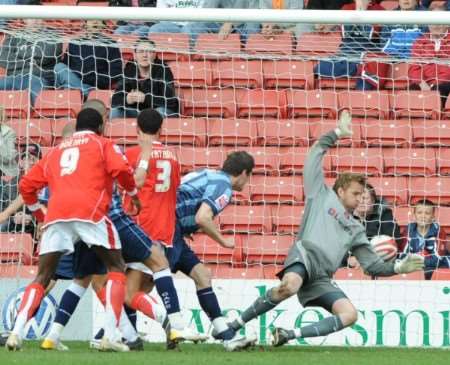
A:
{"x":346,"y":178}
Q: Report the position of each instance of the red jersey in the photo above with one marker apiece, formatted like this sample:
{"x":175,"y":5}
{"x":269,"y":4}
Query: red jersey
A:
{"x":159,"y":193}
{"x":79,"y":173}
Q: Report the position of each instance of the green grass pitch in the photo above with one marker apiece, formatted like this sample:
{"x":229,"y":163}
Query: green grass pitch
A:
{"x":215,"y":355}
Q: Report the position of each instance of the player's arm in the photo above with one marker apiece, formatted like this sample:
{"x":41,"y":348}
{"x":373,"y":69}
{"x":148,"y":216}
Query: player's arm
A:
{"x":11,"y":209}
{"x":146,"y":144}
{"x":313,"y":178}
{"x":205,"y":220}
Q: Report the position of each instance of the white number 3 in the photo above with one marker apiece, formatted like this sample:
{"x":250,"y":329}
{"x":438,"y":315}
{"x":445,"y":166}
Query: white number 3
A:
{"x":163,"y":178}
{"x":69,"y":160}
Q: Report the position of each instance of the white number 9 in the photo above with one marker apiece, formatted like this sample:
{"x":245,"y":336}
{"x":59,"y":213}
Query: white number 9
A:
{"x":69,"y":160}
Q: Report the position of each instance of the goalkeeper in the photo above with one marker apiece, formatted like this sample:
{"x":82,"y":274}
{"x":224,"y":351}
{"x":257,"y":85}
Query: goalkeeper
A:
{"x":327,"y":232}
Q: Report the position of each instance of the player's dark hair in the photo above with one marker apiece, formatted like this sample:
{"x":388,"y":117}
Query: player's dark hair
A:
{"x":373,"y":194}
{"x":89,"y":120}
{"x":237,"y":162}
{"x":149,"y":121}
{"x":346,"y":178}
{"x":146,"y":41}
{"x":95,"y":104}
{"x":425,"y":202}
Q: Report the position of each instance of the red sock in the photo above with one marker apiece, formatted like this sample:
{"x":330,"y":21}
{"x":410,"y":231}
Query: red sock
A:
{"x":143,"y":303}
{"x":32,"y":299}
{"x":115,"y":292}
{"x":101,"y":295}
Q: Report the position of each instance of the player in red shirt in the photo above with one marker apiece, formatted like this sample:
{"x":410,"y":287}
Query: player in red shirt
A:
{"x":79,"y":173}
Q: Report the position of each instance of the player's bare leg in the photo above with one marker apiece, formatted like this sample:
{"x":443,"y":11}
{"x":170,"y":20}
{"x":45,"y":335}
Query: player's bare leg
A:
{"x":32,"y":298}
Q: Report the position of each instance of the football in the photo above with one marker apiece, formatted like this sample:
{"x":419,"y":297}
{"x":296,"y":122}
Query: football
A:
{"x":385,"y":247}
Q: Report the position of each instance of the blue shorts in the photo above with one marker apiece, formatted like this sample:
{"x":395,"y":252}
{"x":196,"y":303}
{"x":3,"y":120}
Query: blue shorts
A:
{"x":64,"y":271}
{"x":180,"y":256}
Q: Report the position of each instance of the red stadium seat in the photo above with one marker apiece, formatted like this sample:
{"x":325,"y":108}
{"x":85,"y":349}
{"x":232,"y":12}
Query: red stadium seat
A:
{"x":365,"y":104}
{"x":416,"y":104}
{"x":270,"y":249}
{"x":195,"y":158}
{"x":436,"y":189}
{"x":277,"y":44}
{"x":431,"y":132}
{"x":403,"y":215}
{"x":409,"y":161}
{"x":192,"y":73}
{"x":278,"y":190}
{"x":171,"y":46}
{"x":126,"y":44}
{"x":389,"y":4}
{"x":261,"y":103}
{"x":57,"y":128}
{"x":210,"y":251}
{"x":206,"y":47}
{"x":293,"y":161}
{"x":267,"y":159}
{"x":418,"y":275}
{"x":271,"y":271}
{"x":39,"y":131}
{"x":284,"y":132}
{"x":58,"y":103}
{"x":387,"y":133}
{"x":312,"y":103}
{"x":190,"y":131}
{"x":16,"y":103}
{"x":234,"y":132}
{"x":443,"y":217}
{"x":208,"y":102}
{"x":238,"y":73}
{"x":443,"y":160}
{"x":288,"y":74}
{"x":122,"y":131}
{"x":230,"y":272}
{"x":103,"y":95}
{"x":360,"y":160}
{"x":446,"y":111}
{"x":317,"y":129}
{"x":245,"y":219}
{"x":441,"y":274}
{"x":16,"y":247}
{"x":286,"y":218}
{"x":347,"y":273}
{"x":399,"y":78}
{"x":393,"y":189}
{"x":15,"y":271}
{"x":318,"y":44}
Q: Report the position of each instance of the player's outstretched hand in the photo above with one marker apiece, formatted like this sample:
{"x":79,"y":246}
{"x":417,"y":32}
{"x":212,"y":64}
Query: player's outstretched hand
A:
{"x":410,"y":263}
{"x":135,"y":205}
{"x":344,"y":127}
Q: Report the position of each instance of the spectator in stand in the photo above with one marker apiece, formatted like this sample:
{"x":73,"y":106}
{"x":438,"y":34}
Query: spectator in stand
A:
{"x":323,"y":5}
{"x":432,"y":50}
{"x":9,"y":169}
{"x":398,"y":39}
{"x":357,"y":41}
{"x":138,"y":28}
{"x":147,"y":83}
{"x":426,"y":237}
{"x":92,"y":61}
{"x":28,"y":61}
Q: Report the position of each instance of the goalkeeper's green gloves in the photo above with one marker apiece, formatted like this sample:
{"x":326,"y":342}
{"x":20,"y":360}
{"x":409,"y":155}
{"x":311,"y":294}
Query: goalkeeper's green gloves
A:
{"x":344,"y":127}
{"x":410,"y":263}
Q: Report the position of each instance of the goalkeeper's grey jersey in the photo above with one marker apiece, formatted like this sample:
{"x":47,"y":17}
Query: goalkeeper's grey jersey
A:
{"x":327,"y":230}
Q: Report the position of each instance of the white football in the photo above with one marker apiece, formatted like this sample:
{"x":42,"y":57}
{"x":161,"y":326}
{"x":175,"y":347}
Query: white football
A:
{"x":385,"y":246}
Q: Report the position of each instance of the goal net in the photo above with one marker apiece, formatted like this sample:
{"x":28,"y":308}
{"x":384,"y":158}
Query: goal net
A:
{"x":272,"y":95}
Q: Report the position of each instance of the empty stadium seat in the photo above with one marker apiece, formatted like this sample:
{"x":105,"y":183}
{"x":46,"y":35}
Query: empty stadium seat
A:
{"x":208,"y":102}
{"x":192,"y":73}
{"x":238,"y":73}
{"x":245,"y":219}
{"x":431,"y":132}
{"x":58,"y":103}
{"x":416,"y":104}
{"x":16,"y":103}
{"x":171,"y":46}
{"x":15,"y":271}
{"x":387,"y":133}
{"x":16,"y":247}
{"x":360,"y":160}
{"x":238,"y":273}
{"x":446,"y":111}
{"x":270,"y":249}
{"x":278,"y":190}
{"x":196,"y":158}
{"x":436,"y":189}
{"x":318,"y":44}
{"x":210,"y":251}
{"x":418,"y":275}
{"x":441,"y":274}
{"x":283,"y":132}
{"x":398,"y":79}
{"x":126,"y":43}
{"x":365,"y":104}
{"x":393,"y":189}
{"x":277,"y":44}
{"x":122,"y":131}
{"x":403,"y":215}
{"x":288,"y":74}
{"x":293,"y":161}
{"x":190,"y":131}
{"x":409,"y":161}
{"x":57,"y":128}
{"x":267,"y":159}
{"x":286,"y":218}
{"x":347,"y":273}
{"x":103,"y":95}
{"x":312,"y":103}
{"x":442,"y":215}
{"x":38,"y":130}
{"x":443,"y":160}
{"x":235,"y":132}
{"x":206,"y":47}
{"x":318,"y":128}
{"x":261,"y":103}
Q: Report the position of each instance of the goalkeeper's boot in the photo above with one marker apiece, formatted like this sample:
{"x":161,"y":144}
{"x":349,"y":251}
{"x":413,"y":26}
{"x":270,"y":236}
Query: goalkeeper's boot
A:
{"x":49,"y":344}
{"x":281,"y":336}
{"x":112,"y":346}
{"x":186,"y":334}
{"x":3,"y":337}
{"x":239,"y":342}
{"x":136,"y":345}
{"x":14,"y":342}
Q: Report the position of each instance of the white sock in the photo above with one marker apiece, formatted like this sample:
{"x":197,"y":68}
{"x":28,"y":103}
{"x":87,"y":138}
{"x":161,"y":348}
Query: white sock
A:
{"x":219,"y":324}
{"x":110,"y":324}
{"x":77,"y":289}
{"x":176,"y":321}
{"x":126,"y":328}
{"x":55,"y":332}
{"x":298,"y":332}
{"x":19,"y":325}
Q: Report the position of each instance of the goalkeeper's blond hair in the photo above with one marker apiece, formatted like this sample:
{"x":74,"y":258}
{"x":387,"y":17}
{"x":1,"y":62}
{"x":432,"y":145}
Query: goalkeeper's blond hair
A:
{"x":346,"y":178}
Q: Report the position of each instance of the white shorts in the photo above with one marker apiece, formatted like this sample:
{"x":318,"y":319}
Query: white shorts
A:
{"x":62,"y":236}
{"x":139,"y":266}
